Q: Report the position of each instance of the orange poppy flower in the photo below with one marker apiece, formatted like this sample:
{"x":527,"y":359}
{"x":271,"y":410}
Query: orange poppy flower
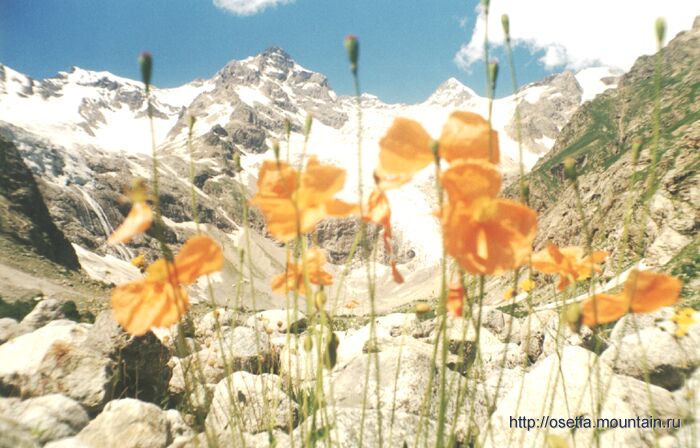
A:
{"x":137,"y":221}
{"x":405,"y":149}
{"x":644,"y":292}
{"x":569,"y":262}
{"x":455,"y":300}
{"x":159,"y":299}
{"x":292,"y":209}
{"x":485,"y":234}
{"x":293,"y":278}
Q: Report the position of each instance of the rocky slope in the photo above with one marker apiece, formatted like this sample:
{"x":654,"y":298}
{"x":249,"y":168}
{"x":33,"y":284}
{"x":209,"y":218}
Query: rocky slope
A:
{"x":600,"y":136}
{"x":24,"y":217}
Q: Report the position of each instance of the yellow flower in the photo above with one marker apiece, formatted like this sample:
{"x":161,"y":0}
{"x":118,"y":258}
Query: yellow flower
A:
{"x":294,"y":203}
{"x":139,"y":261}
{"x":569,"y":262}
{"x":509,"y":293}
{"x":293,"y":278}
{"x":159,"y":299}
{"x":684,"y":319}
{"x":527,"y":285}
{"x":644,"y":292}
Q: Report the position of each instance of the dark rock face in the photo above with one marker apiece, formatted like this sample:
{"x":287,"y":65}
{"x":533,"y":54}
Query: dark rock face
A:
{"x":23,"y":213}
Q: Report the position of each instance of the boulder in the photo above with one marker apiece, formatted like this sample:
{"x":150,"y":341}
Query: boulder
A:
{"x":127,"y":423}
{"x":55,"y":359}
{"x":575,"y":384}
{"x":46,"y":418}
{"x":658,"y":353}
{"x":244,"y":402}
{"x":276,"y":322}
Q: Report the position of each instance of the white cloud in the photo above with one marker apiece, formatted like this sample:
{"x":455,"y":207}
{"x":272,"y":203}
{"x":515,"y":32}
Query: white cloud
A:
{"x":248,"y":7}
{"x":577,"y":34}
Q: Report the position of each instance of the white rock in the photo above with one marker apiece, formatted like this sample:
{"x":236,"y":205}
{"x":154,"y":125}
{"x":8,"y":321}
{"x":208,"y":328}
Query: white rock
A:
{"x":56,"y":359}
{"x":570,"y":387}
{"x":50,"y":417}
{"x":9,"y":328}
{"x":664,"y":357}
{"x":275,"y":322}
{"x":244,"y":402}
{"x":127,"y":423}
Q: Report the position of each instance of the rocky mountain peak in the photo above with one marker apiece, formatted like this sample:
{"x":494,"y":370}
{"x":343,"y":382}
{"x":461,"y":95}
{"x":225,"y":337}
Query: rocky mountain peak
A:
{"x":451,"y":92}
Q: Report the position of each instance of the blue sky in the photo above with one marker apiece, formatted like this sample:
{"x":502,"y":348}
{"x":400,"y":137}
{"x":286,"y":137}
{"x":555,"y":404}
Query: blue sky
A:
{"x":407,"y":47}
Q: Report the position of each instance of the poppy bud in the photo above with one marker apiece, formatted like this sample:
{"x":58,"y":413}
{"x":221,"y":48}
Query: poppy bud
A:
{"x":331,"y":358}
{"x":526,"y":193}
{"x":493,"y":74}
{"x":485,"y":5}
{"x":352,"y":46}
{"x":308,"y":343}
{"x":422,"y":308}
{"x":435,"y":147}
{"x":287,"y":127}
{"x":320,"y":299}
{"x":276,"y":149}
{"x":660,"y":30}
{"x":307,"y":124}
{"x":505,"y":22}
{"x":570,"y":168}
{"x":237,"y":166}
{"x":146,"y":64}
{"x":191,"y":122}
{"x":573,"y":316}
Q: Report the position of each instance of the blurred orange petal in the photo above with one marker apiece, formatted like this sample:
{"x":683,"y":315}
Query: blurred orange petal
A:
{"x":291,"y":211}
{"x":339,"y":209}
{"x":489,"y":236}
{"x":644,"y":292}
{"x":569,"y":262}
{"x":293,"y":277}
{"x":648,"y":291}
{"x":200,"y":255}
{"x":138,"y":306}
{"x":276,"y":179}
{"x":137,"y":221}
{"x":603,"y":308}
{"x":322,"y":182}
{"x":378,"y":210}
{"x":455,"y":300}
{"x":398,"y":278}
{"x":159,"y":300}
{"x":465,"y":135}
{"x":468,"y":180}
{"x":387,"y":181}
{"x":405,"y":149}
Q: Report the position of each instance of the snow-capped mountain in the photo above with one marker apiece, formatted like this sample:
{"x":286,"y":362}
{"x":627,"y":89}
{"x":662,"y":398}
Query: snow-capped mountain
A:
{"x":85,"y":134}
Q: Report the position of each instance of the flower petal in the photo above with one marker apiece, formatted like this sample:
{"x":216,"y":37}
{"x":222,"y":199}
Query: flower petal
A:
{"x":321,"y":182}
{"x":200,"y":255}
{"x":465,"y":135}
{"x":405,"y":149}
{"x":603,"y":308}
{"x":137,"y":221}
{"x":468,"y":180}
{"x":648,"y":291}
